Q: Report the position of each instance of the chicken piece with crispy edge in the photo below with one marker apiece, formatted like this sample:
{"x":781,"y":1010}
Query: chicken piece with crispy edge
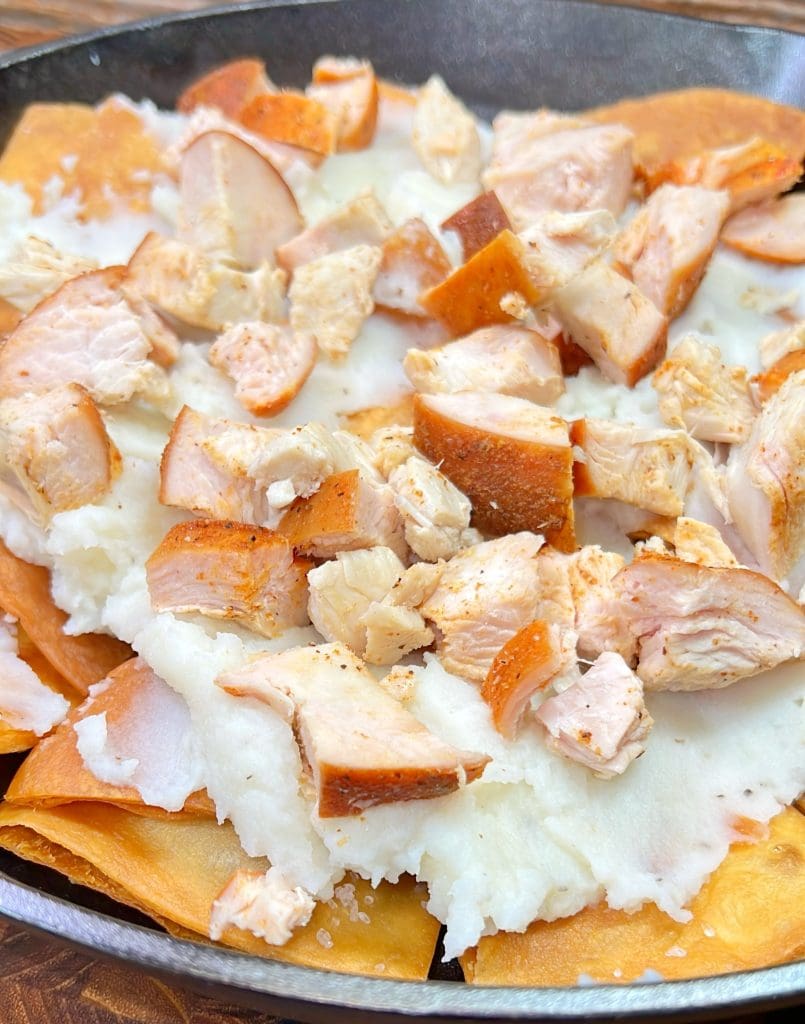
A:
{"x":27,"y":704}
{"x":560,"y":245}
{"x":511,"y":458}
{"x":445,"y":135}
{"x":35,"y":269}
{"x":702,"y":543}
{"x":413,"y":261}
{"x":477,"y":223}
{"x":348,"y":89}
{"x":227,"y":88}
{"x":228,"y":570}
{"x":56,"y":449}
{"x":362,"y":746}
{"x":773,"y":231}
{"x":293,"y":119}
{"x":780,"y":343}
{"x":766,"y":385}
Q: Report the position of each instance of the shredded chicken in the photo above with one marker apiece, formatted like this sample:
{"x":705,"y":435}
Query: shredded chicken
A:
{"x":265,"y":905}
{"x":560,"y":245}
{"x":445,"y":135}
{"x":35,"y":269}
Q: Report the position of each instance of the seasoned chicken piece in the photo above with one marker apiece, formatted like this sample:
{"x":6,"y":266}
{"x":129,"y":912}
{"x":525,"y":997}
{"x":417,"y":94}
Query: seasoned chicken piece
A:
{"x":769,"y":382}
{"x":511,"y":458}
{"x":666,"y":247}
{"x":293,"y":119}
{"x":413,"y":261}
{"x":703,"y":628}
{"x":526,"y":665}
{"x":394,"y":627}
{"x":35,"y":269}
{"x":85,"y":333}
{"x":773,"y":231}
{"x":233,"y":205}
{"x":614,"y":322}
{"x":199,"y":291}
{"x":560,"y":245}
{"x":505,"y":358}
{"x":435,"y":513}
{"x":164,"y":342}
{"x":228,"y":88}
{"x":545,"y":161}
{"x":269,"y":363}
{"x":56,"y":448}
{"x":332,"y":296}
{"x":392,"y":447}
{"x":26,"y":703}
{"x":766,"y":482}
{"x":204,"y":468}
{"x":348,"y":89}
{"x":361,"y":221}
{"x":347,"y":512}
{"x":697,"y":392}
{"x":600,"y":721}
{"x":265,"y":905}
{"x":362,"y":746}
{"x":477,"y":223}
{"x":701,"y":543}
{"x":780,"y":343}
{"x":229,"y":570}
{"x":485,"y":595}
{"x":643,"y":467}
{"x":445,"y":135}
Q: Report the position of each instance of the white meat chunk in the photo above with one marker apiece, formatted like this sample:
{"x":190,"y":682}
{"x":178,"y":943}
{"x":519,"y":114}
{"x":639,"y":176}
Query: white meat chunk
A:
{"x":774,"y":346}
{"x":362,"y":746}
{"x":445,"y":135}
{"x":264,"y":904}
{"x":560,"y":245}
{"x":361,"y":221}
{"x":773,"y":231}
{"x":601,"y":721}
{"x":701,"y":543}
{"x":35,"y":269}
{"x":392,"y":446}
{"x":697,"y":392}
{"x":25,"y":702}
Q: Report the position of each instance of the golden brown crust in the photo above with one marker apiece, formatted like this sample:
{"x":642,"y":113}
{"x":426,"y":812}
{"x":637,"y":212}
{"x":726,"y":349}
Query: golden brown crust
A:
{"x":331,"y":511}
{"x":478,"y":223}
{"x":357,"y":129}
{"x":413,"y":251}
{"x":227,"y":88}
{"x":292,"y":118}
{"x":528,"y":650}
{"x":770,"y":381}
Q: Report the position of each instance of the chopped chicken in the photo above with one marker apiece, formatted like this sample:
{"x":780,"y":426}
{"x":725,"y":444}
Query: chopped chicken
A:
{"x":361,"y":221}
{"x":766,"y":481}
{"x":666,"y":247}
{"x":647,"y":468}
{"x":701,"y":543}
{"x":394,"y":627}
{"x":392,"y":447}
{"x":205,"y":464}
{"x":697,"y":392}
{"x":293,"y":119}
{"x":347,"y":512}
{"x":780,"y":343}
{"x":702,"y":628}
{"x":199,"y":291}
{"x":26,"y":703}
{"x":505,"y":358}
{"x":486,"y":593}
{"x":435,"y":513}
{"x":234,"y":206}
{"x":348,"y":89}
{"x":545,"y":161}
{"x":445,"y":135}
{"x":332,"y":296}
{"x":85,"y":333}
{"x":413,"y":261}
{"x":773,"y":231}
{"x":229,"y":570}
{"x":526,"y":665}
{"x":560,"y":245}
{"x":264,"y":904}
{"x":57,"y":449}
{"x":165,"y":344}
{"x":477,"y":223}
{"x":769,"y":382}
{"x":600,"y":721}
{"x":614,"y":322}
{"x":227,"y":88}
{"x":269,"y":363}
{"x":362,"y":746}
{"x":35,"y":269}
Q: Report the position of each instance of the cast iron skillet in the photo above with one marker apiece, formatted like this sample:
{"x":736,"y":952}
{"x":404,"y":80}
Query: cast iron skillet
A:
{"x":494,"y":53}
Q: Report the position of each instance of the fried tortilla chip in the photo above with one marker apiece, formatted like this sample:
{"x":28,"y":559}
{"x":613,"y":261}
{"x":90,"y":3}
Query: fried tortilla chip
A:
{"x":80,"y":660}
{"x":173,"y":868}
{"x":750,"y":913}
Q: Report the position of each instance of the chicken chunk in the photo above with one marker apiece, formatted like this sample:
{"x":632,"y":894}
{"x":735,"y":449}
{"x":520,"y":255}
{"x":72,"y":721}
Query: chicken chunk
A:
{"x":560,"y":245}
{"x":701,"y":543}
{"x":614,"y":322}
{"x":647,"y":468}
{"x":666,"y":247}
{"x":85,"y":333}
{"x":697,"y":392}
{"x":361,"y":221}
{"x":57,"y":449}
{"x":269,"y":364}
{"x":26,"y":703}
{"x":331,"y":297}
{"x":233,"y":205}
{"x":477,"y":223}
{"x":781,"y":343}
{"x":265,"y":905}
{"x":392,"y":447}
{"x":293,"y":119}
{"x":507,"y":359}
{"x":413,"y":261}
{"x":201,"y":292}
{"x":348,"y":89}
{"x":445,"y":135}
{"x":511,"y":458}
{"x":362,"y":746}
{"x":771,"y":231}
{"x":35,"y":269}
{"x":228,"y":88}
{"x":394,"y":626}
{"x":767,"y":384}
{"x":600,"y":721}
{"x":486,"y":593}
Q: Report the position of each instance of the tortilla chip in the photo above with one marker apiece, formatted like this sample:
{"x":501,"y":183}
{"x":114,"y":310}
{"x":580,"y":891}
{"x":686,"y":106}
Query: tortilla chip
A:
{"x":672,"y":125}
{"x":64,"y":140}
{"x":173,"y":868}
{"x":80,"y":660}
{"x":749,"y":914}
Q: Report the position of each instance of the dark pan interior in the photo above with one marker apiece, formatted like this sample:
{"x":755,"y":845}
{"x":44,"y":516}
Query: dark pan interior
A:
{"x":494,"y":53}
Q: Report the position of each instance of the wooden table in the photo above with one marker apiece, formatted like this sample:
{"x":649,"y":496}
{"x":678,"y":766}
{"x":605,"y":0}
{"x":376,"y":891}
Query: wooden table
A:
{"x":42,"y":982}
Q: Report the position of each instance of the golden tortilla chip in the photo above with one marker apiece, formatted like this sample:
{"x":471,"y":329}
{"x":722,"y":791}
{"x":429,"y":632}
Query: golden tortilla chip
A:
{"x":98,"y":152}
{"x":173,"y":868}
{"x":749,"y":914}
